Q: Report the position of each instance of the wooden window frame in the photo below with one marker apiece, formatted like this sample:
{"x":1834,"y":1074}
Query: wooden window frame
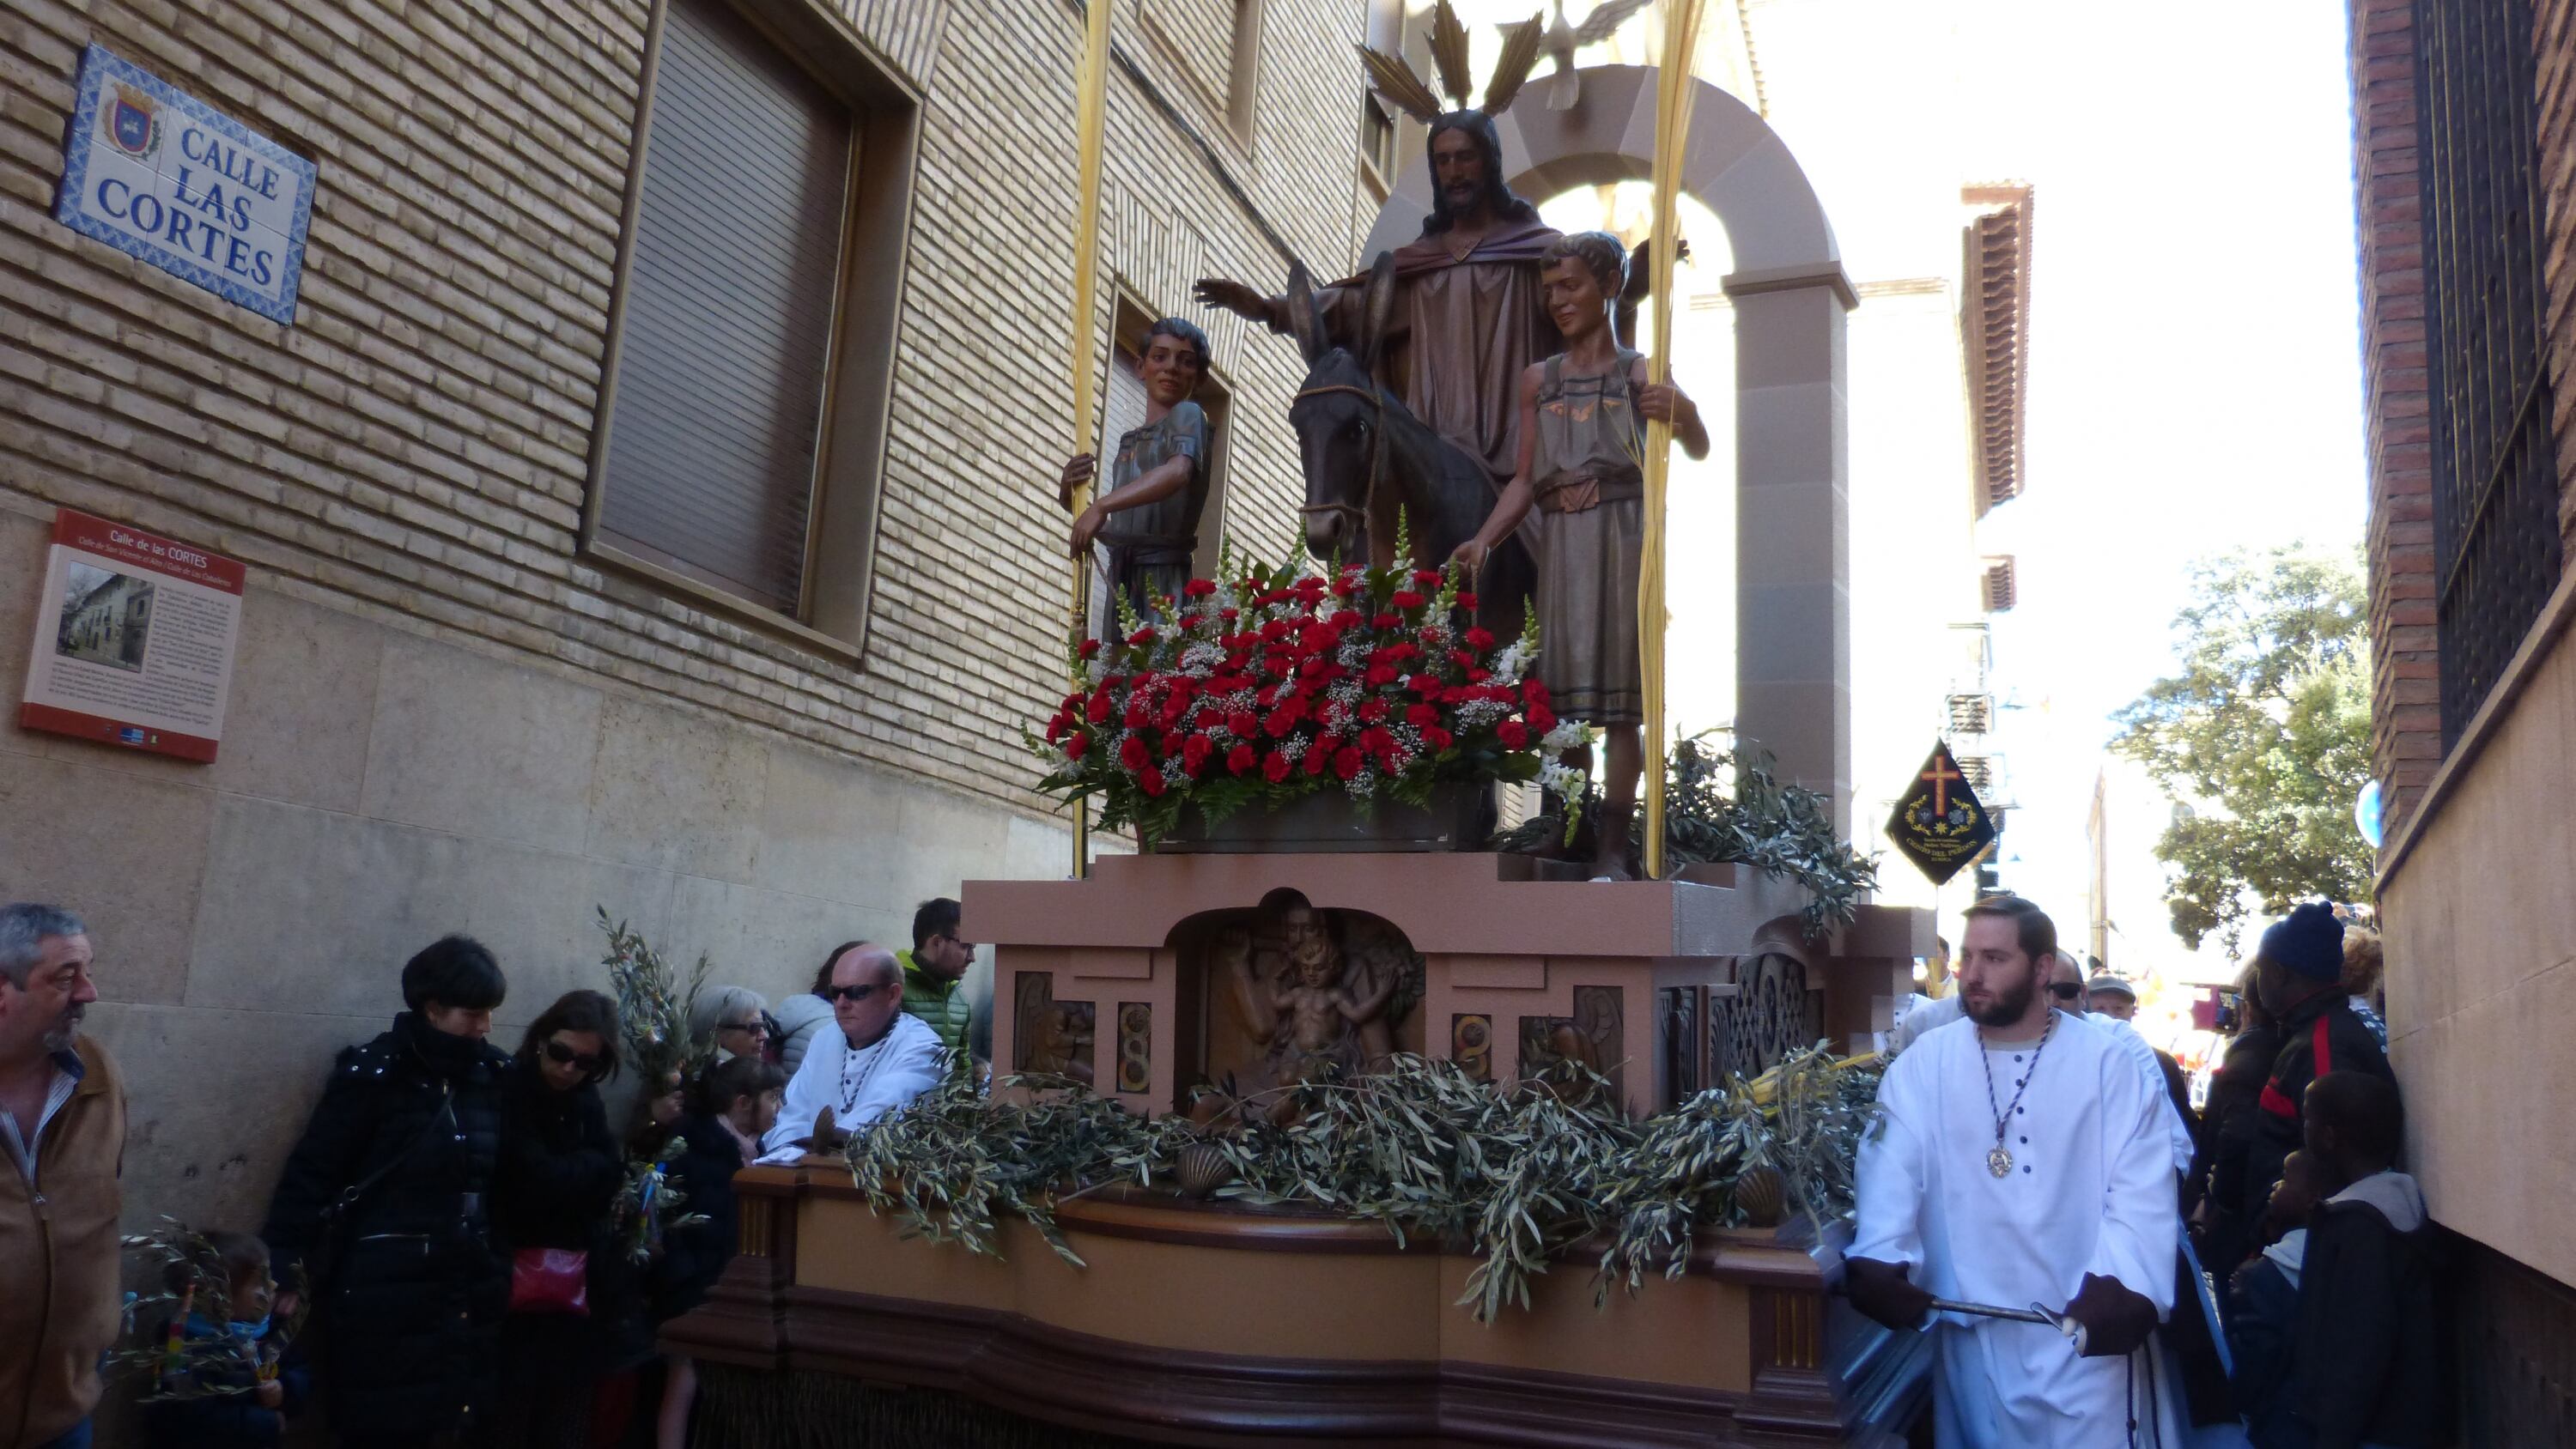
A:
{"x":849,"y":473}
{"x":1236,"y":107}
{"x":1379,"y":179}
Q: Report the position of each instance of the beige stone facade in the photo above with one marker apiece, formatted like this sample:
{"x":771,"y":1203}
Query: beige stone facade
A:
{"x":445,"y":716}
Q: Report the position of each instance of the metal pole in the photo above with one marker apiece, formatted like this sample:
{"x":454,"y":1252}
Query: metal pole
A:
{"x":1090,"y":108}
{"x":1672,"y":132}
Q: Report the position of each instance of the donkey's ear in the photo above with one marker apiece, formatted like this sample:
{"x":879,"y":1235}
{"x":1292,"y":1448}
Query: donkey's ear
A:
{"x":1305,"y":318}
{"x":1378,"y":311}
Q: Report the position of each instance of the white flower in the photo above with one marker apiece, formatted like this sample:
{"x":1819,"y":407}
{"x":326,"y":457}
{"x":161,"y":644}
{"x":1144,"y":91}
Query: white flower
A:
{"x":1478,"y":713}
{"x":1560,"y":780}
{"x":1568,"y":735}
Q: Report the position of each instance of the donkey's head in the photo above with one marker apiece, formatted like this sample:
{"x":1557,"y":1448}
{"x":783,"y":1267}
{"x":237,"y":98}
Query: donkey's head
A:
{"x":1340,"y":415}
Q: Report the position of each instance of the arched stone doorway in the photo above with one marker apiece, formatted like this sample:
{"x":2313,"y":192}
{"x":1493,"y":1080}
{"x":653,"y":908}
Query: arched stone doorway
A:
{"x":1793,"y":555}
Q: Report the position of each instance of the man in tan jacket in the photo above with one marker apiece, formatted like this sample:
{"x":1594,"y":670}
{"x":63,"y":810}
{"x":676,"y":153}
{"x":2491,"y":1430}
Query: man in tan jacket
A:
{"x":62,"y":1121}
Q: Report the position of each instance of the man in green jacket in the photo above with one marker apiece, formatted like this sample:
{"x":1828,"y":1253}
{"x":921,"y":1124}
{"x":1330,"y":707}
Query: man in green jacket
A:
{"x":934,"y":970}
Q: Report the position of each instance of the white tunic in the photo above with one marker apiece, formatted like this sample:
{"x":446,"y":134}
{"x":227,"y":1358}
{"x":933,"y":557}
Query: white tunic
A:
{"x":858,"y":1086}
{"x":2090,"y":1190}
{"x":1923,"y":1013}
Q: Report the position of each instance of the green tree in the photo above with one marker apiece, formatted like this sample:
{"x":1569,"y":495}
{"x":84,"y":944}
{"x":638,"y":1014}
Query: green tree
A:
{"x":2266,"y":733}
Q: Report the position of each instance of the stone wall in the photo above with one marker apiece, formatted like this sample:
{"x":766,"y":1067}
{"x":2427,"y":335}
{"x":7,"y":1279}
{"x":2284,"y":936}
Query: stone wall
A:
{"x":444,"y":717}
{"x":2481,"y":945}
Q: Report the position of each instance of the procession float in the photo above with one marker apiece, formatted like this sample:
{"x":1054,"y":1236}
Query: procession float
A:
{"x":1332,"y":1111}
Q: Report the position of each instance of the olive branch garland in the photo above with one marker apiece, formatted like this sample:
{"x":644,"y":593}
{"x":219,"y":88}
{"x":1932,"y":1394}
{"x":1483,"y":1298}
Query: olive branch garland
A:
{"x":1520,"y":1176}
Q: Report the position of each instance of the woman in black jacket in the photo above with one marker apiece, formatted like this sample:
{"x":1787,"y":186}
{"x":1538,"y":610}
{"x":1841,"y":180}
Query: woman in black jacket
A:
{"x":560,"y":1168}
{"x":2222,"y":1235}
{"x":383,"y":1213}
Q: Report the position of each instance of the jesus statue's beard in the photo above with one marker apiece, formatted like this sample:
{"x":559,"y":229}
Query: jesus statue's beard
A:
{"x":2005,"y":1009}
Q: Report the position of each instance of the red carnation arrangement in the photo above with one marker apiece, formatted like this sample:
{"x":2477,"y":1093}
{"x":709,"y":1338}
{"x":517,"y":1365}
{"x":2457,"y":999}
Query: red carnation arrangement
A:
{"x":1272,"y":683}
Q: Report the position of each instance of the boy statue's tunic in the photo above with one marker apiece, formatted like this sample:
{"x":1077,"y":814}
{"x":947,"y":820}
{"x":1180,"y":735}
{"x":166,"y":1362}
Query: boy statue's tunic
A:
{"x":1149,"y":547}
{"x":1590,"y":496}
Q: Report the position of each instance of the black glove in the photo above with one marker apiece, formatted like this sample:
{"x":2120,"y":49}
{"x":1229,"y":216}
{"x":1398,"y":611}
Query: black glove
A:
{"x":1881,"y":1291}
{"x":2116,"y":1321}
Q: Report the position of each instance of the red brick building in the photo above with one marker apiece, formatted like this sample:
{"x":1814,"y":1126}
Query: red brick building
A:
{"x":2463,"y":112}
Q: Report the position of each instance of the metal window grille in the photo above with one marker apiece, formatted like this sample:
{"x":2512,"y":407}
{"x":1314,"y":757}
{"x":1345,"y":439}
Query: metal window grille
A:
{"x":1971,"y":714}
{"x":2495,"y":473}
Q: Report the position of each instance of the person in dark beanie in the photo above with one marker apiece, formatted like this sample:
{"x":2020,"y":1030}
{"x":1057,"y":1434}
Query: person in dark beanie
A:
{"x":2339,"y":1335}
{"x":2298,"y":973}
{"x":384,"y":1208}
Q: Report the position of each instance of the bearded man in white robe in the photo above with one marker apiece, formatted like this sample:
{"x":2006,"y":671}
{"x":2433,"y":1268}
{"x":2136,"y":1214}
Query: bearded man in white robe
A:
{"x":2022,"y":1161}
{"x":2066,"y":985}
{"x":872,"y":1060}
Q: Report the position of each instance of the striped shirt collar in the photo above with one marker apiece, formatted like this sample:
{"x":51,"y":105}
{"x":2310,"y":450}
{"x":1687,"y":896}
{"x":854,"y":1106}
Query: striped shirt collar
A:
{"x":23,"y":1151}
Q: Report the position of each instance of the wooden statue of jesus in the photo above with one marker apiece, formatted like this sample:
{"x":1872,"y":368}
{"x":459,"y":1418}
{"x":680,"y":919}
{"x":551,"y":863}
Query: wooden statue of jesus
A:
{"x":1471,"y":314}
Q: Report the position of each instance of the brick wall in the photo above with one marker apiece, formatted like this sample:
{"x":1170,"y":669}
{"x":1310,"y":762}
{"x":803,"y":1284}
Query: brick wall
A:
{"x":415,"y":448}
{"x":1203,"y":32}
{"x":2554,"y":38}
{"x":2406,"y":735}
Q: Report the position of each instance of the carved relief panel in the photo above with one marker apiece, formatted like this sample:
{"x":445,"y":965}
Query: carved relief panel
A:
{"x":1771,"y":1014}
{"x":1050,"y":1036}
{"x":1284,"y":992}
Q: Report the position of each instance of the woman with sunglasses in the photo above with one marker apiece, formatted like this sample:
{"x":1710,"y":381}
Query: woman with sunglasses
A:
{"x":734,"y":1018}
{"x":560,"y":1170}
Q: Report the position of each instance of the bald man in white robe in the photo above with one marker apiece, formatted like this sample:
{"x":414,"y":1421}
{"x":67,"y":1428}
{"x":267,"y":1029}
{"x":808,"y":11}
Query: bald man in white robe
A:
{"x":2022,"y":1160}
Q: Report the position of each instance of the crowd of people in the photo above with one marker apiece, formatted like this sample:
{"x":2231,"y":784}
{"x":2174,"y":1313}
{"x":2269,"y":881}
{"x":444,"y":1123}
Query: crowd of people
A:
{"x":2101,"y":1265}
{"x":452,"y":1210}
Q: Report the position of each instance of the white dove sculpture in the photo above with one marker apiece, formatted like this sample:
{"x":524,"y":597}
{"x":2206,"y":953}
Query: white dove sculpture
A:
{"x":1563,"y":40}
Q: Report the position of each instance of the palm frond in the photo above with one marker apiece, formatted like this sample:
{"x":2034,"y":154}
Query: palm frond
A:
{"x":1391,"y":78}
{"x":1449,"y":52}
{"x":1520,"y":56}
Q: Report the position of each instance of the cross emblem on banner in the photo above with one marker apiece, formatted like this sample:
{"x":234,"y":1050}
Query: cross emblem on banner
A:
{"x":1940,"y":829}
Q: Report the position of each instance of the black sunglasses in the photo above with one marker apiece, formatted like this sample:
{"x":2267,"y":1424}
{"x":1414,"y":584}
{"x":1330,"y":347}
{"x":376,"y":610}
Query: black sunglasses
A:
{"x":563,"y":1055}
{"x":852,"y":993}
{"x":2065,"y":990}
{"x":761,"y":1027}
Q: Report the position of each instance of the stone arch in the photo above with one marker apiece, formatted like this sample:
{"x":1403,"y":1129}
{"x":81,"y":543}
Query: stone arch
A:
{"x":1793,"y":555}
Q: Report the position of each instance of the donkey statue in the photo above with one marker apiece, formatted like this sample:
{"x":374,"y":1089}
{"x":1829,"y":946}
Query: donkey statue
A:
{"x":1366,"y":456}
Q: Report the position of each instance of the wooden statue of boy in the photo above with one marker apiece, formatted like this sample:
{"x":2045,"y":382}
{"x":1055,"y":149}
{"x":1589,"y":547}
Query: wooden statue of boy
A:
{"x":1583,"y":416}
{"x":1158,"y":483}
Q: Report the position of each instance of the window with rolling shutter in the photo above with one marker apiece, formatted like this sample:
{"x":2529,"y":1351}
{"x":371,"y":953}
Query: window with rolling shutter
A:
{"x":716,"y":430}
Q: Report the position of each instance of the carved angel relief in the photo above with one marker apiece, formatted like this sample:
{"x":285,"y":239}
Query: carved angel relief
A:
{"x":1297,"y":993}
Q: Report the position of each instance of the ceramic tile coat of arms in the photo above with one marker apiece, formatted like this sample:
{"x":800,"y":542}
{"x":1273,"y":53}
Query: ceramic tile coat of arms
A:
{"x":168,"y":180}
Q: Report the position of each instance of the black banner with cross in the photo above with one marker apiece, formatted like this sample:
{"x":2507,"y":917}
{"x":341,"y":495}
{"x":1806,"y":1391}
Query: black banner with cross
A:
{"x":1939,"y":823}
